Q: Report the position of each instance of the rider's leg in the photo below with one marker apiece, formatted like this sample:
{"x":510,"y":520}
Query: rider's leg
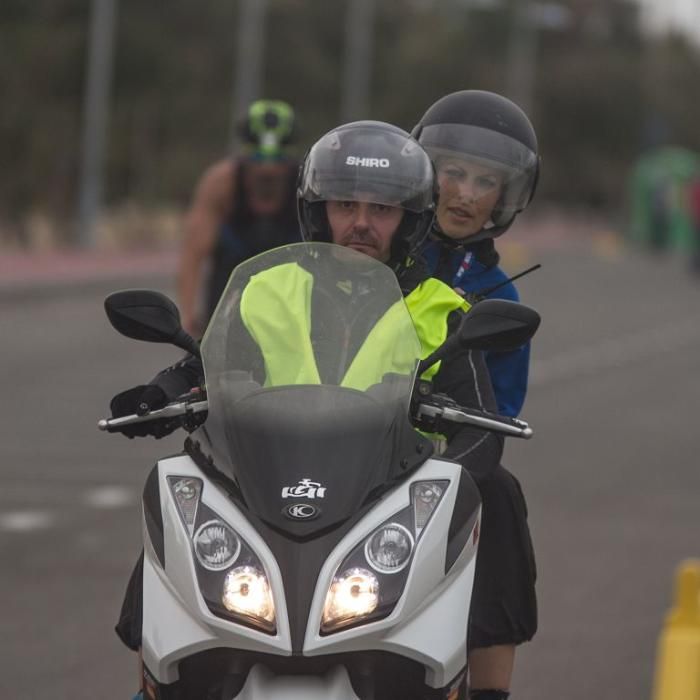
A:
{"x":491,"y":667}
{"x":504,"y":606}
{"x":128,"y":627}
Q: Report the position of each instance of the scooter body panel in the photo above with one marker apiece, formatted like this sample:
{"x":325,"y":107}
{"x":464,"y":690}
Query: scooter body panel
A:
{"x":177,"y":622}
{"x":262,"y":683}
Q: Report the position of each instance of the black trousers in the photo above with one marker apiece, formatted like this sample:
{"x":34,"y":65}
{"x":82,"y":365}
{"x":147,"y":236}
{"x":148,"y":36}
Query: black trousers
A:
{"x":504,"y":603}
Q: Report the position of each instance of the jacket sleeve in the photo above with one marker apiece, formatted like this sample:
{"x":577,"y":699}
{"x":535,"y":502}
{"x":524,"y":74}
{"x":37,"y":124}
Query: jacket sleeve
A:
{"x":509,"y":375}
{"x":509,"y":370}
{"x":465,"y":379}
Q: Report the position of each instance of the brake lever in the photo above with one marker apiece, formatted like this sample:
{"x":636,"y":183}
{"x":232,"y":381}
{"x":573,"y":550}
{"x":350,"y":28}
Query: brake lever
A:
{"x":512,"y":427}
{"x":172,"y":410}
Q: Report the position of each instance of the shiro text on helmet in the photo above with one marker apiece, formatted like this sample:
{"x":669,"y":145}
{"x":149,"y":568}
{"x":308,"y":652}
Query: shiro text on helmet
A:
{"x":368,"y":162}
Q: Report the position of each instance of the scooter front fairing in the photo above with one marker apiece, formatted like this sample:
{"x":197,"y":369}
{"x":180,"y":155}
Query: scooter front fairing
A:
{"x":307,"y":532}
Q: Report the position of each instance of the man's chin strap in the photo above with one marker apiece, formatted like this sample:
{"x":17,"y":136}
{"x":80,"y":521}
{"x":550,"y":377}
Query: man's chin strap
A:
{"x":489,"y":695}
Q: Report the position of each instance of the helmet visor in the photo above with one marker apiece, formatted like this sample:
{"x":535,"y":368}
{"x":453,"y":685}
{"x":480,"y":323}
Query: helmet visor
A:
{"x":478,"y":142}
{"x":368,"y":165}
{"x":486,"y":154}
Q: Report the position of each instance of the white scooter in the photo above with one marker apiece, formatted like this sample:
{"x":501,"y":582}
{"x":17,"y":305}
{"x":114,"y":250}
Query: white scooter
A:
{"x":308,"y":543}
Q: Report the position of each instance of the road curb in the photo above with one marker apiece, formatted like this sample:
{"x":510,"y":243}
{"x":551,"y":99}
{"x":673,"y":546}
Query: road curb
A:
{"x":25,"y":277}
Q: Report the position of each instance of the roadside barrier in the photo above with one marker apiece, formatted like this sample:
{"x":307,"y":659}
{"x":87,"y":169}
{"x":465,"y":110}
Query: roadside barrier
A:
{"x":677,"y":675}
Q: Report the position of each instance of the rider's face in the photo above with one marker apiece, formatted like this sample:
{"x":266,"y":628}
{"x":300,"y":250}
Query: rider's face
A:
{"x":468,"y":193}
{"x":364,"y":226}
{"x":266,"y":186}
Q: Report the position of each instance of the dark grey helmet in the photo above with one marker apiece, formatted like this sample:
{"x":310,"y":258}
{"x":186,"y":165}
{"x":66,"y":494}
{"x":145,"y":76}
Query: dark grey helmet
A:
{"x":368,"y":161}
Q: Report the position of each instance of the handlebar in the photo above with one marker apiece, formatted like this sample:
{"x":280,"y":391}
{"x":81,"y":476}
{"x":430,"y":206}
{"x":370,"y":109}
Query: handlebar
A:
{"x":432,"y":412}
{"x":172,"y":410}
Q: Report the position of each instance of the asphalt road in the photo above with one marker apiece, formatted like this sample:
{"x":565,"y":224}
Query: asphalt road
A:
{"x":612,"y":477}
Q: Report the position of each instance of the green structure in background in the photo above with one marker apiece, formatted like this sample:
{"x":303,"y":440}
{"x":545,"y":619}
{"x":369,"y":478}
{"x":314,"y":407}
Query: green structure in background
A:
{"x":661,"y":212}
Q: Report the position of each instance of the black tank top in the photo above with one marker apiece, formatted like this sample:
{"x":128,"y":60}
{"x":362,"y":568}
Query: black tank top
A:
{"x":244,"y":235}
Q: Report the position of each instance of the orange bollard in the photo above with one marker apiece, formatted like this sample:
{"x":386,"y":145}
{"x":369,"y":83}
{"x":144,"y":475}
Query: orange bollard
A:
{"x":677,"y":675}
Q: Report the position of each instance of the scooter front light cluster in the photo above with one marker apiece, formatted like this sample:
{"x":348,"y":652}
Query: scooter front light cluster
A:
{"x":370,"y":580}
{"x":216,"y":545}
{"x":353,"y":595}
{"x":232,"y":579}
{"x":247,"y":593}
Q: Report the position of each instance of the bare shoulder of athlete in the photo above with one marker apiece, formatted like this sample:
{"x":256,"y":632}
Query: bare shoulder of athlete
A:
{"x":211,"y":205}
{"x":216,"y":186}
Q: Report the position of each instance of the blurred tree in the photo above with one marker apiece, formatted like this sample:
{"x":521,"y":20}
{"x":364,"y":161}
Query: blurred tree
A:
{"x":597,"y":86}
{"x":172,"y":95}
{"x":42,"y":45}
{"x":305,"y":44}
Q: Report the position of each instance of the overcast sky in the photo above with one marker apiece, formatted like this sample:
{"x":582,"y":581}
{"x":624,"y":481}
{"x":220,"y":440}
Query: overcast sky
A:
{"x":662,"y":15}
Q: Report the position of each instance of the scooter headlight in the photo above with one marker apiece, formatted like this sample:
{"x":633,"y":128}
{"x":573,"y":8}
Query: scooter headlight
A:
{"x":389,"y":549}
{"x":356,"y":595}
{"x":247,"y":593}
{"x":216,"y":545}
{"x":240,"y":594}
{"x":353,"y":595}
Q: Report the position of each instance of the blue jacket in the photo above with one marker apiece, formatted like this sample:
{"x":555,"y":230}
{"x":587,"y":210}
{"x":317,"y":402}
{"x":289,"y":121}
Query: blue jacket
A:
{"x":508,"y":370}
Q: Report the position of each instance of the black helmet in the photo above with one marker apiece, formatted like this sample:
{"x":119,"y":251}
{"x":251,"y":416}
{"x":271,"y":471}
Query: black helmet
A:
{"x":368,"y":161}
{"x":492,"y":130}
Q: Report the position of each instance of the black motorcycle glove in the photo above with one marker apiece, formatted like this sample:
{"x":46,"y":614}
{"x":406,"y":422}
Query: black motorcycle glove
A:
{"x":140,"y":400}
{"x":472,"y":298}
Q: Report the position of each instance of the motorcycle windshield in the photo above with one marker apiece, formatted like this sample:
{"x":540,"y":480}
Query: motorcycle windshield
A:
{"x":309,"y":362}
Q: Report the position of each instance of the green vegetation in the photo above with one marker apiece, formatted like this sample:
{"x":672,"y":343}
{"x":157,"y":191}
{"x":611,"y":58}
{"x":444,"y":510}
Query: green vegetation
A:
{"x":601,"y":94}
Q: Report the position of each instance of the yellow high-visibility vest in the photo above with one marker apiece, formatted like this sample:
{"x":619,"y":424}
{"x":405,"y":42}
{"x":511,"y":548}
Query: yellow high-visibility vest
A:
{"x":285,"y":338}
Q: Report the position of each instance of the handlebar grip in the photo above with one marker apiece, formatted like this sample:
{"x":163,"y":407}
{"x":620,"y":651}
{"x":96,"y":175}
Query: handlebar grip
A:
{"x":106,"y":425}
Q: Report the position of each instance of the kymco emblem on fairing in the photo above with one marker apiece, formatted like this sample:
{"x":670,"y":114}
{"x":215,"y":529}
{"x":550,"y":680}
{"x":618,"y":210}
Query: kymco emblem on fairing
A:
{"x":304,"y":489}
{"x":302,"y":511}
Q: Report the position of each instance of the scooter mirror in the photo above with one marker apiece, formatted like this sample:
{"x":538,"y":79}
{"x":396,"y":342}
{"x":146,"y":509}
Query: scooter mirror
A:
{"x":497,"y":324}
{"x":492,"y":324}
{"x":143,"y":314}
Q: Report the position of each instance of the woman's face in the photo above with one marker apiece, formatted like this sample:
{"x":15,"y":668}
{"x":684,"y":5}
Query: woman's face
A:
{"x":468,"y":193}
{"x":364,"y":226}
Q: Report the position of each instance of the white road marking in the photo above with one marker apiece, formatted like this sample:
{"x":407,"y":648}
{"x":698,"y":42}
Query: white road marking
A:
{"x":25,"y":520}
{"x":37,"y":511}
{"x":110,"y":497}
{"x":615,"y":352}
